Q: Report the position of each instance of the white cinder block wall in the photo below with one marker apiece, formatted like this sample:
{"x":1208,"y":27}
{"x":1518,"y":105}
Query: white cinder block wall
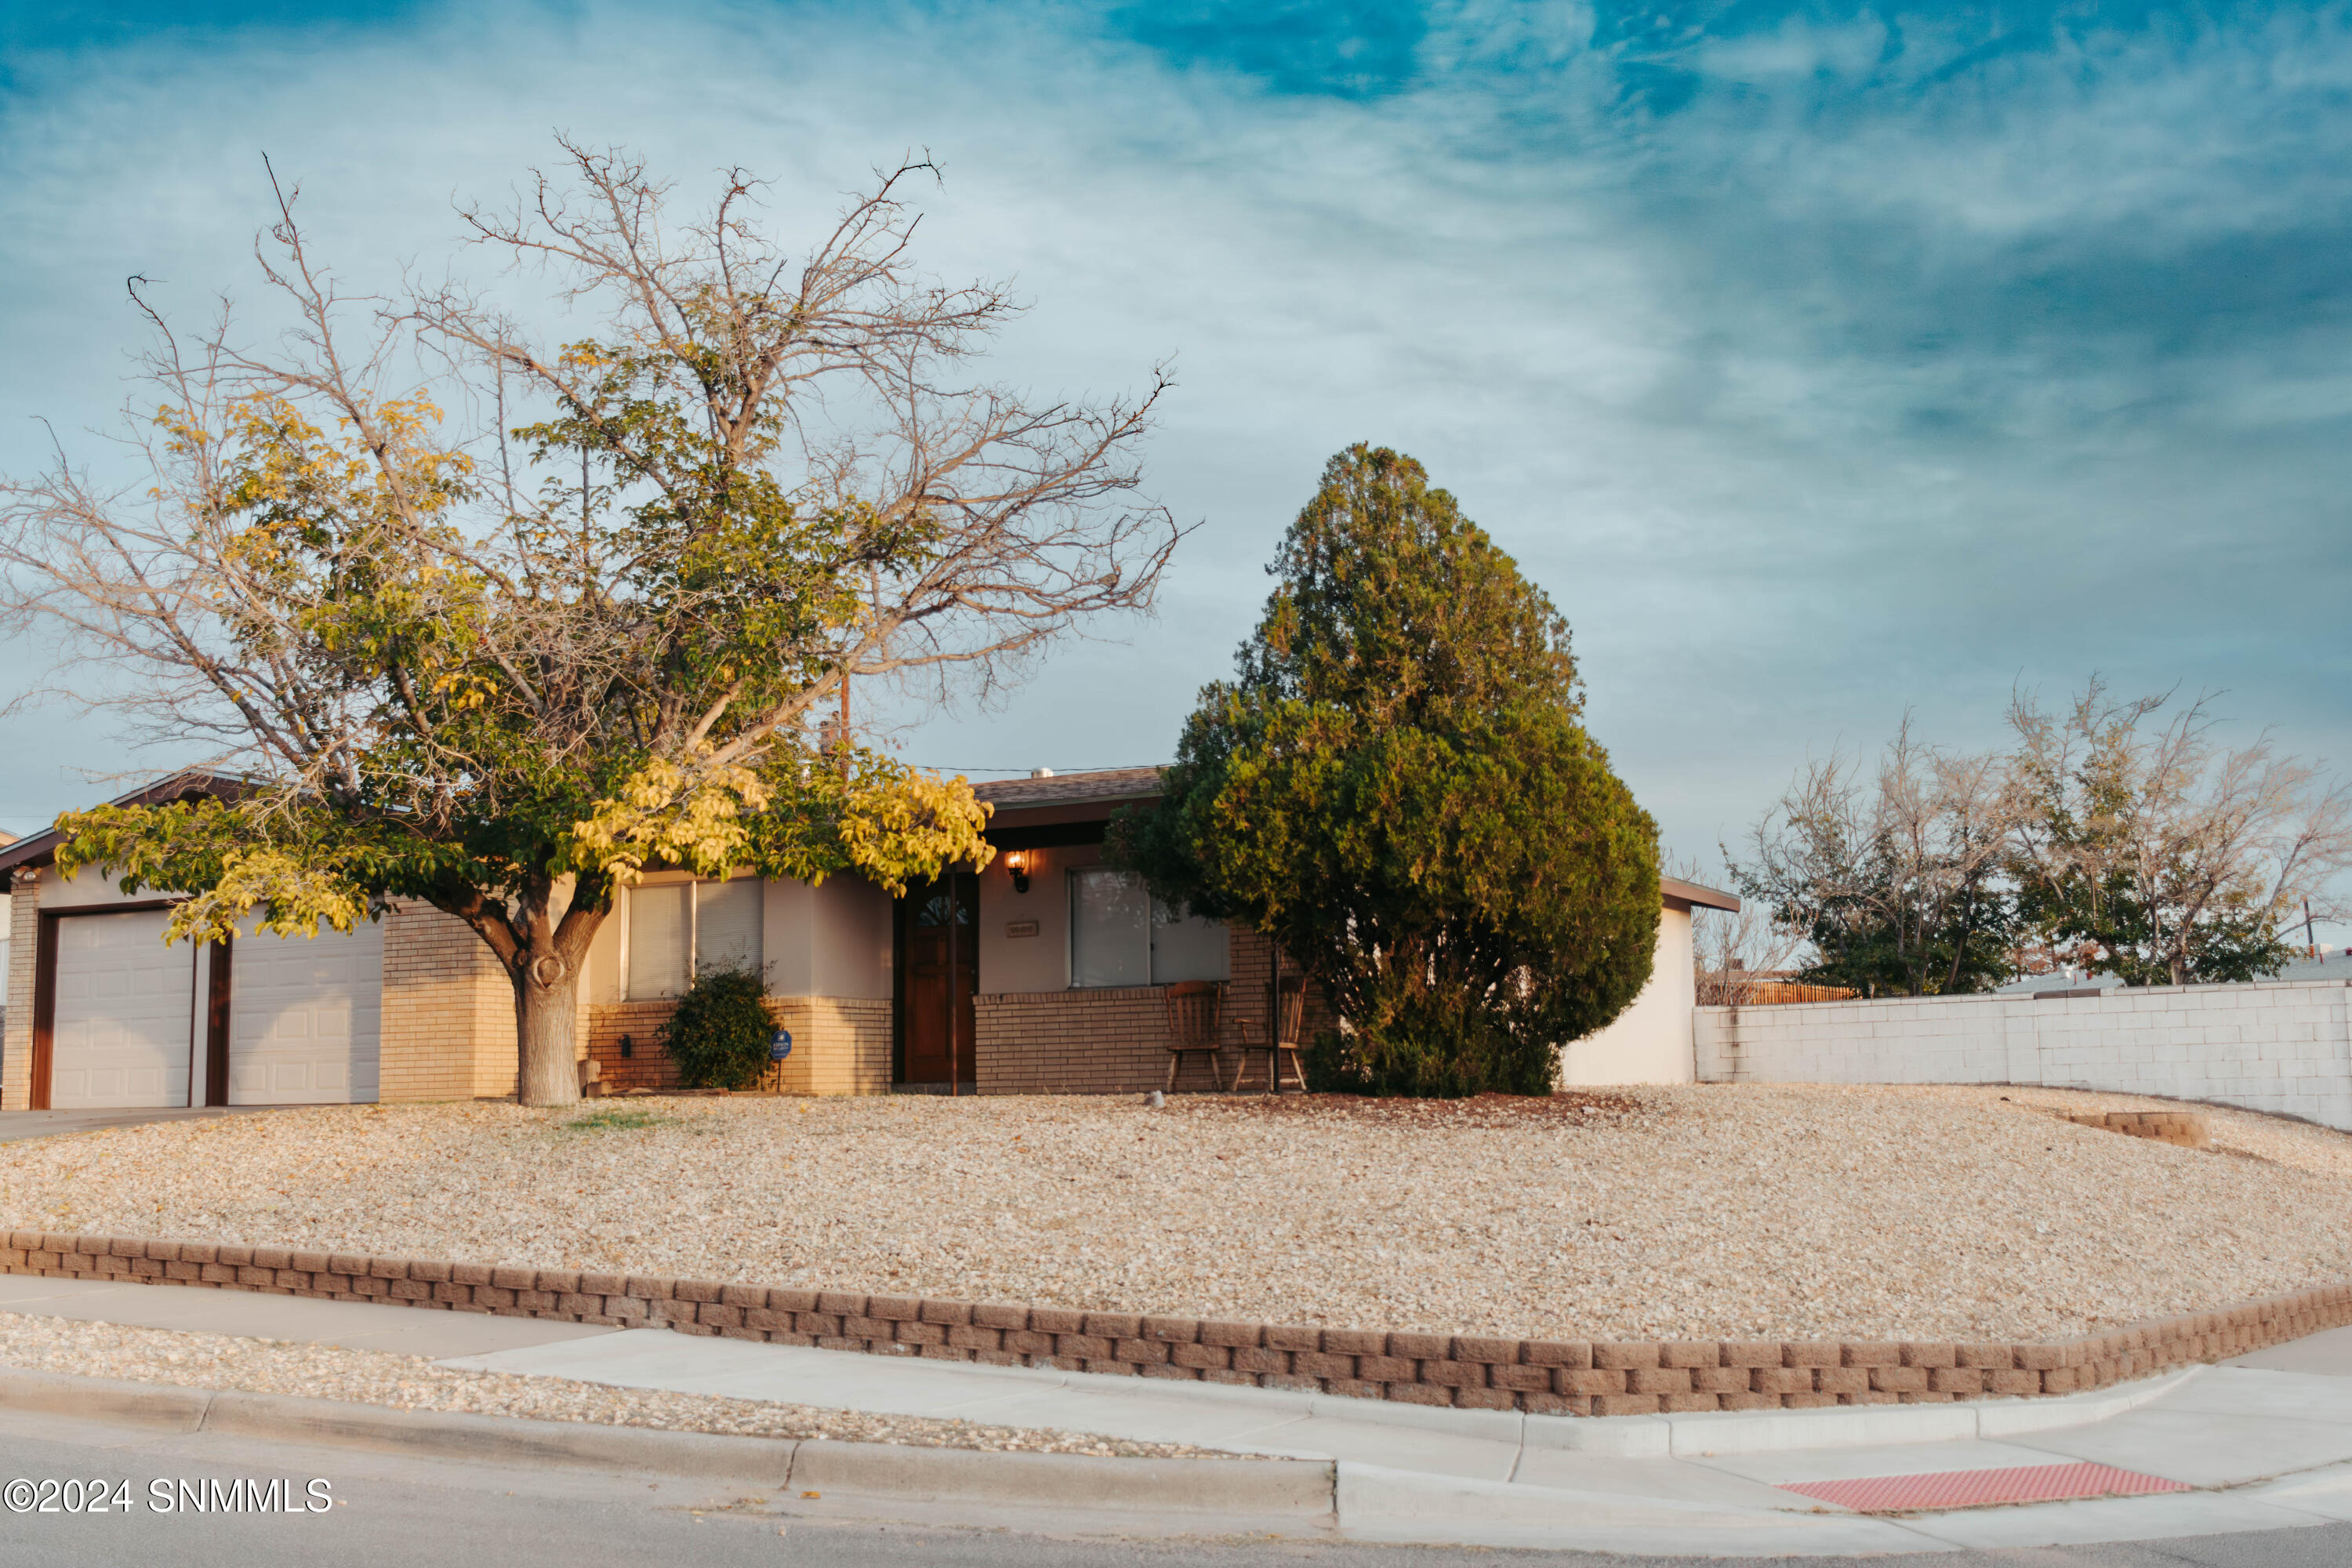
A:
{"x":2283,"y":1047}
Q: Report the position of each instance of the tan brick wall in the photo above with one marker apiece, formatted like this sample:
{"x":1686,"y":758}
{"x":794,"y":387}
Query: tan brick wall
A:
{"x":448,"y":1010}
{"x":16,"y":1047}
{"x":1115,"y":1041}
{"x":1107,"y":1041}
{"x":646,"y":1065}
{"x":840,"y":1045}
{"x":1110,"y":1041}
{"x":1548,"y":1377}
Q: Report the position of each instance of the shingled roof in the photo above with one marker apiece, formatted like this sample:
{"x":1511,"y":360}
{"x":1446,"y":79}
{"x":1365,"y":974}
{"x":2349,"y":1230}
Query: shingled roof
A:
{"x":1103,"y":784}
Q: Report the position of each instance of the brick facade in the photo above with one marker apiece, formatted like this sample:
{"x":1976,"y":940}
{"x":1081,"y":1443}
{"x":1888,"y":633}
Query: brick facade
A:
{"x":840,"y":1045}
{"x":1114,"y":1040}
{"x":16,"y":1044}
{"x":1552,"y":1377}
{"x":647,"y":1065}
{"x":1106,"y":1041}
{"x":449,"y":1027}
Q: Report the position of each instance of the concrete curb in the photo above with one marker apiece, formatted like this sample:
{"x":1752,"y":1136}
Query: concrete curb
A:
{"x":1291,"y":1488}
{"x":499,"y":1439}
{"x":105,"y":1399}
{"x":1296,"y":1489}
{"x":1840,"y":1427}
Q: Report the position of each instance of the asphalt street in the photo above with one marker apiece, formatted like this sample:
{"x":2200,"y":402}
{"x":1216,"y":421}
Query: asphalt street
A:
{"x":394,"y":1510}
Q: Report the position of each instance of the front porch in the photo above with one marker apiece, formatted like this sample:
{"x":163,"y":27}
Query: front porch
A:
{"x":1045,"y":973}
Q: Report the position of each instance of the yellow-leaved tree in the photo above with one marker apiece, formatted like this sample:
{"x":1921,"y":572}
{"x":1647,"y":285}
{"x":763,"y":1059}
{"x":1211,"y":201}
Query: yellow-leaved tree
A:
{"x":505,"y":663}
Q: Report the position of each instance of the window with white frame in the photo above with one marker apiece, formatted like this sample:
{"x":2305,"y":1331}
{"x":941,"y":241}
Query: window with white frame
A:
{"x":1122,"y":935}
{"x":680,"y":930}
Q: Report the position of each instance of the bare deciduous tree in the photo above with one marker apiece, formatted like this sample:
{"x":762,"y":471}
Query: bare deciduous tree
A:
{"x":502,"y":660}
{"x":2154,"y":853}
{"x":1896,"y":885}
{"x":1735,"y":954}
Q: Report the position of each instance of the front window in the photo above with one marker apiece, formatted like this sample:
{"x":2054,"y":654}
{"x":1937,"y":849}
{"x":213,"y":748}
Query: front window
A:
{"x":1122,"y":935}
{"x":680,"y":930}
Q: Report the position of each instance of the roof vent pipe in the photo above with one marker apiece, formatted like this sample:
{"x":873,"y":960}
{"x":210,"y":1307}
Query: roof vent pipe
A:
{"x":1041,"y":772}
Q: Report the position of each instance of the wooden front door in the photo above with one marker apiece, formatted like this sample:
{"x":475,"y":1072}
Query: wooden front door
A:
{"x":938,"y":972}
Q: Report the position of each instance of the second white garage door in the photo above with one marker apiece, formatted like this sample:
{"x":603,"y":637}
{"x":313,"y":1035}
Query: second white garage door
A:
{"x":305,"y":1017}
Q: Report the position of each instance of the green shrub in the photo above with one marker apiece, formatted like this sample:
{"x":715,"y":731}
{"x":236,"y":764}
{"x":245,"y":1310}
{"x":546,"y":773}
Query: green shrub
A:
{"x":719,"y":1035}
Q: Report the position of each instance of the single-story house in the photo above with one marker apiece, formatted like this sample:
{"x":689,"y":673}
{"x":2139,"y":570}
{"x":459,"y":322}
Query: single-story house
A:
{"x":1045,"y":973}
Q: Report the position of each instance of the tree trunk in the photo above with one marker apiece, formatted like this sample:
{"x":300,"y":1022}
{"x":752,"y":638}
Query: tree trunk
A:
{"x":547,"y":994}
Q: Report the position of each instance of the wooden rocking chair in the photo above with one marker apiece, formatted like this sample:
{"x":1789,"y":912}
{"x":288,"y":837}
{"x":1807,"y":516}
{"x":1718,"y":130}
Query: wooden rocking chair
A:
{"x":1290,"y":1015}
{"x":1192,"y":1025}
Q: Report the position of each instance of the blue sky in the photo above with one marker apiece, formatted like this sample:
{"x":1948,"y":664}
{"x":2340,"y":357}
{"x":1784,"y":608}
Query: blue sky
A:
{"x":1819,"y":360}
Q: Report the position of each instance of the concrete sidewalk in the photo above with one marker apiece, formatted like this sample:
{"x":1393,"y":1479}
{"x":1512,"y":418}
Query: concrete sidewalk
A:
{"x":361,"y":1325}
{"x":1703,"y":1485}
{"x":2261,"y":1444}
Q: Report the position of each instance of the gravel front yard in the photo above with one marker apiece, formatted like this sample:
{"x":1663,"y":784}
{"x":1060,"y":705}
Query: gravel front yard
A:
{"x":223,"y":1361}
{"x":1713,"y":1212}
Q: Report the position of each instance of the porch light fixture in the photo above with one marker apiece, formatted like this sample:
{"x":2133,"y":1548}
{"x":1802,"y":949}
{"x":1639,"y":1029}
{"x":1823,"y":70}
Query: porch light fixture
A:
{"x":1017,"y":861}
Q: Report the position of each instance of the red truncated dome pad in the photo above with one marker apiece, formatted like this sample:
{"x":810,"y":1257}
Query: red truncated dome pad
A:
{"x":1980,"y":1489}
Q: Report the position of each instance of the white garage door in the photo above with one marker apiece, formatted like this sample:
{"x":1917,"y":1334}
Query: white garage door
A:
{"x":304,"y":1016}
{"x":119,"y":1035}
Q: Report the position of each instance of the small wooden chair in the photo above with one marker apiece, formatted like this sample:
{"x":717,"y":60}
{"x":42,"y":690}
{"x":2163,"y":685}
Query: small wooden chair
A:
{"x":1193,"y":1023}
{"x":1289,"y":1000}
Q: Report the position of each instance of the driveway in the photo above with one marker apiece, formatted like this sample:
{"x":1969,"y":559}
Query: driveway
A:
{"x":19,"y":1124}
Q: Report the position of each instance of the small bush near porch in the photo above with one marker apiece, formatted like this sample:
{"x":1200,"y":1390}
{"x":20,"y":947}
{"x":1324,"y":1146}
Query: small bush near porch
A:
{"x":719,"y":1035}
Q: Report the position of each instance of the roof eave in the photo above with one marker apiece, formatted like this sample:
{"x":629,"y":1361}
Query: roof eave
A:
{"x":40,"y":849}
{"x":1688,"y":895}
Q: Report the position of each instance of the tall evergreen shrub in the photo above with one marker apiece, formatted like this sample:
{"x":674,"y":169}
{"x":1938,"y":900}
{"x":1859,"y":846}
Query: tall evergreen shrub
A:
{"x":1398,"y":787}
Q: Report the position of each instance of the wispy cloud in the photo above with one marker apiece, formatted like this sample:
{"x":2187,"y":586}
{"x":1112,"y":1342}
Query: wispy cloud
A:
{"x":1820,"y":359}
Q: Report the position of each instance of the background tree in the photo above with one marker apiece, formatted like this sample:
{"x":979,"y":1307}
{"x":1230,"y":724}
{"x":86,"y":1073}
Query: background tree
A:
{"x":1398,"y":789}
{"x":1734,"y":953}
{"x":504,"y":659}
{"x":1898,"y":884}
{"x":2152,"y":853}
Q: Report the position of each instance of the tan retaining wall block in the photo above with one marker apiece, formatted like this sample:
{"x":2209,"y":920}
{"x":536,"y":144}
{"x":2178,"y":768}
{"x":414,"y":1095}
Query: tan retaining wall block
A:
{"x":1538,"y":1376}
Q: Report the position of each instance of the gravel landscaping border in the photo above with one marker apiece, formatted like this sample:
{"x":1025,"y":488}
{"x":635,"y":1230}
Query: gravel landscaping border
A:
{"x":311,"y":1370}
{"x":1693,"y":1213}
{"x":1554,"y":1377}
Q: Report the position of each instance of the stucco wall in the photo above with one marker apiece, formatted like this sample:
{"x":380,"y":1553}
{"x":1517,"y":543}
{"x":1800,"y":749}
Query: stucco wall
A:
{"x":846,"y":922}
{"x":1650,"y":1042}
{"x":2283,"y":1047}
{"x":1013,"y":965}
{"x":90,"y":886}
{"x":832,"y":940}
